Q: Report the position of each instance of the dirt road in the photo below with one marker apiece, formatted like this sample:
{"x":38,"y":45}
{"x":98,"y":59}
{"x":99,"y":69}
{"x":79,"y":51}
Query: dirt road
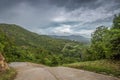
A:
{"x":30,"y":71}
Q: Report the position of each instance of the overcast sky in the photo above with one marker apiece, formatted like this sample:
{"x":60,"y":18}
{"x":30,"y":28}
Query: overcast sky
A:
{"x":59,"y":17}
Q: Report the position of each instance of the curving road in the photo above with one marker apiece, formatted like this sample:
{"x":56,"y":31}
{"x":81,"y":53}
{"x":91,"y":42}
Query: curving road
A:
{"x":30,"y":71}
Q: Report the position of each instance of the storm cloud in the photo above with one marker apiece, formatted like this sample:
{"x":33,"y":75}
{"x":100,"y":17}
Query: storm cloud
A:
{"x":59,"y":17}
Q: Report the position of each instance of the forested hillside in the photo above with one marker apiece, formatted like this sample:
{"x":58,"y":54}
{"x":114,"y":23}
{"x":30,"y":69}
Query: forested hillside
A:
{"x":18,"y":44}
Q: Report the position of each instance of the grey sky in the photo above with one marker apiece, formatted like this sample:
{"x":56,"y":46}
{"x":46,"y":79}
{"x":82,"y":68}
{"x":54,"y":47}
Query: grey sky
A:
{"x":59,"y":17}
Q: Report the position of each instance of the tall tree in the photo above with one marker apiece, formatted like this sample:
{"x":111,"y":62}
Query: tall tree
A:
{"x":116,"y":22}
{"x":112,"y":44}
{"x":98,"y":42}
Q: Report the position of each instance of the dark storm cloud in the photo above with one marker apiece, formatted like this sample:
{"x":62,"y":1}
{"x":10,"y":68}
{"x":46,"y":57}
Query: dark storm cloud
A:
{"x":68,"y":4}
{"x":6,"y":4}
{"x":59,"y":16}
{"x":91,"y":4}
{"x":74,"y":4}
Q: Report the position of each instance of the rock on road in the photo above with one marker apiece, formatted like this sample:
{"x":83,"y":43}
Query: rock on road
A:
{"x":31,"y":71}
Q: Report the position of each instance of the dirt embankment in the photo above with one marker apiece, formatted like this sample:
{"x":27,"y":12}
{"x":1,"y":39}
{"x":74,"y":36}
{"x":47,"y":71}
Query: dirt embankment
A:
{"x":3,"y":64}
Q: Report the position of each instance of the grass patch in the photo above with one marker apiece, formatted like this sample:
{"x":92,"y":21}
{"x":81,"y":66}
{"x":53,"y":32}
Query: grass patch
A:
{"x":8,"y":75}
{"x":99,"y":66}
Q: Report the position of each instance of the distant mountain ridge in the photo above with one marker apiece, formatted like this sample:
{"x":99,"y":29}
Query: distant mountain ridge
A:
{"x":78,"y":38}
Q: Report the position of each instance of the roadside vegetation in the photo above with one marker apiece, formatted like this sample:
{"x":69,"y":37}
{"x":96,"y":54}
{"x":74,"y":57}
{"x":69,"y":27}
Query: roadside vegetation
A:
{"x":99,"y":66}
{"x":8,"y":74}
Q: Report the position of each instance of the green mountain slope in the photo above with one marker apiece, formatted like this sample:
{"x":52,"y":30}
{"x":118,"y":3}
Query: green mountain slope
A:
{"x":25,"y":38}
{"x":29,"y":46}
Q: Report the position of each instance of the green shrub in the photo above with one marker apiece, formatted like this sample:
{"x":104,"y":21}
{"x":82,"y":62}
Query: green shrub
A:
{"x":8,"y":75}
